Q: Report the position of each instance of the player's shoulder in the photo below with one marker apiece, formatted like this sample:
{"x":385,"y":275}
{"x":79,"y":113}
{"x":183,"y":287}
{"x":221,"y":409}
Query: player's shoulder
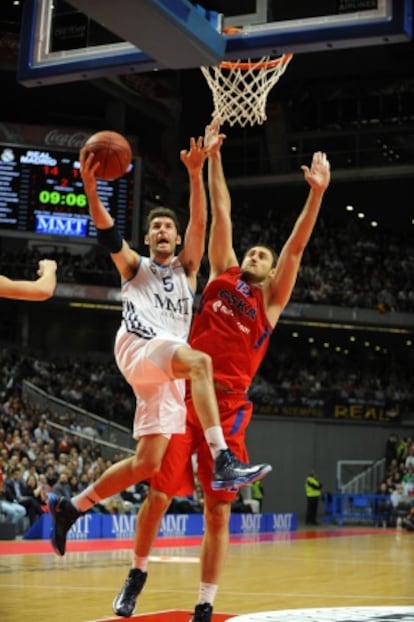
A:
{"x":233,"y":272}
{"x":176,"y":263}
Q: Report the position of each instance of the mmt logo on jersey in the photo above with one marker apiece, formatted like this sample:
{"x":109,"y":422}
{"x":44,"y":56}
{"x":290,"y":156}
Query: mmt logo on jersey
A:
{"x":181,"y":306}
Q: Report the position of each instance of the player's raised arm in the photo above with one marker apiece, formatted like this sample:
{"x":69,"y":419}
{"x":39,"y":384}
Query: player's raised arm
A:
{"x":125,"y":259}
{"x":287,"y":267}
{"x":220,"y":248}
{"x":194,"y":237}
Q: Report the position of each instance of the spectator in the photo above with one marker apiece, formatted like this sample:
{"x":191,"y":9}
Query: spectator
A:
{"x":51,"y":474}
{"x":408,"y":481}
{"x":74,"y":484}
{"x":402,"y":449}
{"x":16,"y":492}
{"x":41,"y":433}
{"x":408,"y":519}
{"x":62,"y":487}
{"x":391,"y":449}
{"x":63,"y":462}
{"x":37,"y":490}
{"x":409,"y":461}
{"x":64,"y":445}
{"x":313,"y":489}
{"x":258,"y":494}
{"x":13,"y":511}
{"x":400,"y":504}
{"x":239,"y":506}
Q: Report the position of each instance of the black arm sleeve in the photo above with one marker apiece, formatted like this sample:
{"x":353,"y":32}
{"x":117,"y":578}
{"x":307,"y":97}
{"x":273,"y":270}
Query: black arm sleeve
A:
{"x":110,"y":239}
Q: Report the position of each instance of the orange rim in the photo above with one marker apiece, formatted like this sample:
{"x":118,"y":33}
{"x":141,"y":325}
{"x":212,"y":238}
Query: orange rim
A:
{"x":268,"y":64}
{"x":232,"y":30}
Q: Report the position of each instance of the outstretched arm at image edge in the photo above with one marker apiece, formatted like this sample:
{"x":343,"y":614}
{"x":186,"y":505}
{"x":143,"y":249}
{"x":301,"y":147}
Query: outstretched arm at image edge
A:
{"x":38,"y":290}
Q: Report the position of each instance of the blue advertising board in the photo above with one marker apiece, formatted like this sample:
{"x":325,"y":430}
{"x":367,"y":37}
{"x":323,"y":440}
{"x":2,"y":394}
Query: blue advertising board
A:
{"x":93,"y":525}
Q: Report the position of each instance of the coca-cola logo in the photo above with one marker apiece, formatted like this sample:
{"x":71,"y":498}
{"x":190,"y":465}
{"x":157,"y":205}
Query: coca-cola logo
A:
{"x":74,"y":140}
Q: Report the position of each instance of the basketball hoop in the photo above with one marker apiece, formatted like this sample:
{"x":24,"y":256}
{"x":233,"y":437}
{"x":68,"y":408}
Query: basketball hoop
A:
{"x":240,"y":89}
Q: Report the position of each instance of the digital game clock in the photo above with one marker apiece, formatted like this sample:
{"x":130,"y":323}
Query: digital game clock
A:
{"x":42,"y":193}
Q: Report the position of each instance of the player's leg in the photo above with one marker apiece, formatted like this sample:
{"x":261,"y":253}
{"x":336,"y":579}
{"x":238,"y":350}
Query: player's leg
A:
{"x":160,"y":412}
{"x":228,"y":472}
{"x":175,"y":477}
{"x":147,"y":527}
{"x":213,"y":554}
{"x":235,"y":413}
{"x":119,"y":476}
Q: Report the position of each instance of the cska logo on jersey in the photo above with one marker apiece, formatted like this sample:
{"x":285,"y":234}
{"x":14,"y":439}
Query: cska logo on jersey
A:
{"x":240,"y":305}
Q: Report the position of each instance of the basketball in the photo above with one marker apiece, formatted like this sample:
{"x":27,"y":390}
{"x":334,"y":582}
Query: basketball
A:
{"x":112,"y":151}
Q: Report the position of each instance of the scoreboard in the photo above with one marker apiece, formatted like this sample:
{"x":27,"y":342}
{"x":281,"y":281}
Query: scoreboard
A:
{"x":41,"y":193}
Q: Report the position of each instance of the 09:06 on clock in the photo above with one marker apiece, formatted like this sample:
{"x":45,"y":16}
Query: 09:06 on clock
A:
{"x":54,"y":197}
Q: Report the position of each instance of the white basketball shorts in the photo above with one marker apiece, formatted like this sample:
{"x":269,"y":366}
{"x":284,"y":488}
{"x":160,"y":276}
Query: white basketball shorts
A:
{"x":146,"y":364}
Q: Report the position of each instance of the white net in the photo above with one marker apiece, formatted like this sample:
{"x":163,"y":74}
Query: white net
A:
{"x":240,"y":89}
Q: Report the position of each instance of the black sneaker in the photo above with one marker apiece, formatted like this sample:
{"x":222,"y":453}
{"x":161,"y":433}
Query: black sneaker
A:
{"x":124,"y":603}
{"x":231,"y":474}
{"x":202,"y":613}
{"x":63,"y":514}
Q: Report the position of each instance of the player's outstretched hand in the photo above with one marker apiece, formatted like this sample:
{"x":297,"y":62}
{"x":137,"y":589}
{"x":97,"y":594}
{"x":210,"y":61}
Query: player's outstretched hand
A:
{"x":46,"y":266}
{"x":193,"y":158}
{"x":212,"y":137}
{"x":319,"y":174}
{"x":88,"y":168}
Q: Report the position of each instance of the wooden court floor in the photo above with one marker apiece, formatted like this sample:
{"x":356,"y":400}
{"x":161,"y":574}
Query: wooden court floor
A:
{"x":334,"y":567}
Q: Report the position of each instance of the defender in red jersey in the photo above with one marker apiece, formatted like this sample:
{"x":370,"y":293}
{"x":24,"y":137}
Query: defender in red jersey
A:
{"x":232,"y":314}
{"x":239,"y":308}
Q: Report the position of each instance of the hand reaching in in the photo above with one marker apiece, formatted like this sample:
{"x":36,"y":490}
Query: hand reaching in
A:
{"x":193,"y":158}
{"x":46,"y":266}
{"x":319,"y":174}
{"x":88,"y":168}
{"x":212,"y":137}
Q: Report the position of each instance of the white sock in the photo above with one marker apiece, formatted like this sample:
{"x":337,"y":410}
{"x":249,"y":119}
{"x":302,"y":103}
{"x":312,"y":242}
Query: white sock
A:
{"x":215,"y":439}
{"x":86,"y":499}
{"x":207,"y":593}
{"x":140,"y":562}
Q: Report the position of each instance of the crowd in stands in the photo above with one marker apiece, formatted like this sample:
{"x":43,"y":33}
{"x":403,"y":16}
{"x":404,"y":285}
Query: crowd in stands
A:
{"x":91,"y":268}
{"x":93,"y":385}
{"x":36,"y":459}
{"x":349,"y":265}
{"x":398,"y":482}
{"x":293,"y":374}
{"x":314,"y":376}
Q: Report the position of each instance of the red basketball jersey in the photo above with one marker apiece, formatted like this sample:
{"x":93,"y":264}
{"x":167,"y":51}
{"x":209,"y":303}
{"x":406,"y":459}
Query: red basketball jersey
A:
{"x":231,"y":325}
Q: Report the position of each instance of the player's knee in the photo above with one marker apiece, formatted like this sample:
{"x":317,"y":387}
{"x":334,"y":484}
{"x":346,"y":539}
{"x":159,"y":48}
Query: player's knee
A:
{"x":202,"y":366}
{"x":158,"y":501}
{"x":150,"y":463}
{"x":217,"y":516}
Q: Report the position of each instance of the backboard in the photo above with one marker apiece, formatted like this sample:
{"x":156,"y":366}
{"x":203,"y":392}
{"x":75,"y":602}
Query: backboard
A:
{"x":84,"y":39}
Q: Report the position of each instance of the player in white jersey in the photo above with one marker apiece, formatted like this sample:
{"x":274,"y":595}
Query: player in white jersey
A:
{"x":156,"y":316}
{"x":151,"y":346}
